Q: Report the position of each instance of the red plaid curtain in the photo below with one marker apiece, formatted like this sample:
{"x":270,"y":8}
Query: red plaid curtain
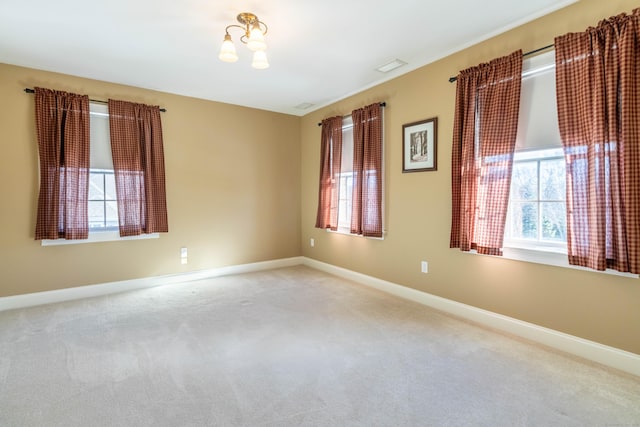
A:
{"x":484,"y":137}
{"x":598,"y":87}
{"x":62,"y":127}
{"x":330,"y":162}
{"x":366,"y":211}
{"x":138,"y":163}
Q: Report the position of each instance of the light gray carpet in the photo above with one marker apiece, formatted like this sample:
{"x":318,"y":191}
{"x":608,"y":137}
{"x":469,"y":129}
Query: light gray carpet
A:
{"x":287,"y":347}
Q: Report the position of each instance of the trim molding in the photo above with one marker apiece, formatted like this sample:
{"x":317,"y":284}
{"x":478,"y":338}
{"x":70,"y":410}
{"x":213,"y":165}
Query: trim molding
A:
{"x":590,"y":350}
{"x":69,"y":294}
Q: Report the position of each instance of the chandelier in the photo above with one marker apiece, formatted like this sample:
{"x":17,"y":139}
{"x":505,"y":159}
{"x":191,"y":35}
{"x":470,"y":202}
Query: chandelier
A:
{"x":253,"y":37}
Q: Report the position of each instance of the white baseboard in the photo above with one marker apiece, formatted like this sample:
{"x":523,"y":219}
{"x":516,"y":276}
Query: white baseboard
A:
{"x":609,"y":356}
{"x":69,"y":294}
{"x":590,"y":350}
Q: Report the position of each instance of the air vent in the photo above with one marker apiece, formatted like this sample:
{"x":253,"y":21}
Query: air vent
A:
{"x":304,"y":106}
{"x":396,"y":63}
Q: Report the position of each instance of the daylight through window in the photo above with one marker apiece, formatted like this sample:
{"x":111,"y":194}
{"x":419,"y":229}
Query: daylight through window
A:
{"x":103,"y":208}
{"x":536,"y":218}
{"x":346,"y":177}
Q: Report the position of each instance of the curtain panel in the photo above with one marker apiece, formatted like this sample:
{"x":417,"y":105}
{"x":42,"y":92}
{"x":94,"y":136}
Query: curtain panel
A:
{"x":62,"y":128}
{"x":330,"y":164}
{"x":484,"y":137}
{"x":138,"y":163}
{"x":598,"y":96}
{"x":366,"y":209}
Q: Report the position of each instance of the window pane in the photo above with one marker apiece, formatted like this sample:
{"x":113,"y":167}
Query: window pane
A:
{"x":110,"y":186}
{"x":96,"y":214}
{"x":346,"y":191}
{"x":343,"y":187}
{"x":96,"y":186}
{"x":112,"y":214}
{"x":554,"y":221}
{"x":524,"y":220}
{"x":343,"y":218}
{"x":524,"y":181}
{"x":552,"y":179}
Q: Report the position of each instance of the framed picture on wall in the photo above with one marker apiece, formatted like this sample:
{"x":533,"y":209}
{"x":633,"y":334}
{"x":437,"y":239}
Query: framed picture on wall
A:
{"x":420,"y":146}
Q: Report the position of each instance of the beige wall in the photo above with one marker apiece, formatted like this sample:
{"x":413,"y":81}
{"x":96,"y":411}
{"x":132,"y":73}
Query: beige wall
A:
{"x":233,"y":190}
{"x":595,"y":306}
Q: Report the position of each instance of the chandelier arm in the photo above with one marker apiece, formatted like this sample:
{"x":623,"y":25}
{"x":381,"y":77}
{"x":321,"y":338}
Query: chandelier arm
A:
{"x":265,"y":27}
{"x":226,"y":30}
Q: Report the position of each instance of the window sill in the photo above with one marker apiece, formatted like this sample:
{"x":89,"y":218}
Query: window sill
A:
{"x":100,"y":236}
{"x":557,"y":258}
{"x":346,"y":232}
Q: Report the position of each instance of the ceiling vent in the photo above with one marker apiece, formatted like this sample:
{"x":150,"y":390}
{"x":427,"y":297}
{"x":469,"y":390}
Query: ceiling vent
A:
{"x":396,"y":63}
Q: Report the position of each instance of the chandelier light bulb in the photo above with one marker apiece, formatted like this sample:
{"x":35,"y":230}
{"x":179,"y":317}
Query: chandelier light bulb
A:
{"x":256,"y":39}
{"x":260,"y":60}
{"x":228,"y":50}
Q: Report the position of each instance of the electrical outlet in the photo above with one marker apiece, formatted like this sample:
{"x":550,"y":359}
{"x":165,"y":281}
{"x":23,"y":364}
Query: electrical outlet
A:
{"x":424,"y":266}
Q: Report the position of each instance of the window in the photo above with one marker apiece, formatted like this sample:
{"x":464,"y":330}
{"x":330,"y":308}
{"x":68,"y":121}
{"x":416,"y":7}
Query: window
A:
{"x":102,"y":205}
{"x":536,"y":218}
{"x":346,"y":179}
{"x":537,"y":209}
{"x":359,"y":140}
{"x":536,"y":225}
{"x":345,"y":198}
{"x":103,"y":208}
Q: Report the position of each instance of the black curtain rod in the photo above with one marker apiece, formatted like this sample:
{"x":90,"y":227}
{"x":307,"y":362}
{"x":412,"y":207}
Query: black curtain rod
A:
{"x":382,"y":104}
{"x":29,"y":90}
{"x":453,"y":79}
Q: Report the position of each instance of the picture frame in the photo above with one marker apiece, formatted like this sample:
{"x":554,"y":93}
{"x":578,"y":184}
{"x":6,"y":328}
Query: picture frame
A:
{"x":420,"y":146}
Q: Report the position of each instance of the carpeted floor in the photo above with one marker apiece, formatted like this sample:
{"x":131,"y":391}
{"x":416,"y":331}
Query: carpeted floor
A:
{"x":287,"y":347}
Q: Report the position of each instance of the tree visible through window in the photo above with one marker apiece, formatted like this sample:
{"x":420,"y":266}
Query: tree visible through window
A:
{"x":537,"y":207}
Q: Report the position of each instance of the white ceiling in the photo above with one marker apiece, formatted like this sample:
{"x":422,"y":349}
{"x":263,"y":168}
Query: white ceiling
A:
{"x":319,"y":51}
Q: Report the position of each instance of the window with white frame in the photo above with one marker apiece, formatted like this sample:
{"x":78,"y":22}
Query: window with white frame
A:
{"x":345,"y":195}
{"x":103,"y":208}
{"x":536,"y":223}
{"x":537,"y":206}
{"x":536,"y":218}
{"x":102,"y":203}
{"x":346,"y":177}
